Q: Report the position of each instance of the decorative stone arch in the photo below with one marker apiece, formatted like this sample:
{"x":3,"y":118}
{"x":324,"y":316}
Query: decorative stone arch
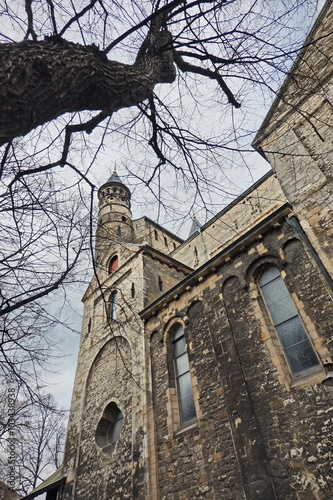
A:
{"x":154,"y":337}
{"x":290,"y":241}
{"x":272,"y":339}
{"x":171,"y":325}
{"x":122,"y":346}
{"x":182,"y":406}
{"x":194,"y":309}
{"x":228,"y":281}
{"x":108,"y":380}
{"x":113,"y":263}
{"x":258,"y":265}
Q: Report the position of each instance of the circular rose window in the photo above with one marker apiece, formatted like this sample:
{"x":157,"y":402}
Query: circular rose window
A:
{"x":109,"y":429}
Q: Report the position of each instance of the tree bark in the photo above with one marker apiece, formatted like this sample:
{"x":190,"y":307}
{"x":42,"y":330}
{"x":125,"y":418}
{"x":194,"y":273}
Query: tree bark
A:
{"x":41,"y":80}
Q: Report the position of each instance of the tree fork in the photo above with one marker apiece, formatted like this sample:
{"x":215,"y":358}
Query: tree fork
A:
{"x":41,"y":80}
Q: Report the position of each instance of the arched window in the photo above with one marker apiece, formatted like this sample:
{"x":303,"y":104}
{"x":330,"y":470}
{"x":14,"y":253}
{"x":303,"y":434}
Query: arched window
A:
{"x":183,"y":377}
{"x":291,"y":333}
{"x":109,"y":428}
{"x":113,"y":264}
{"x":113,"y":305}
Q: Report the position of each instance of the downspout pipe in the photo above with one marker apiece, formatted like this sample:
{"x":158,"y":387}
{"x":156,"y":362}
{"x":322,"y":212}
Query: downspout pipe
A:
{"x":294,"y":222}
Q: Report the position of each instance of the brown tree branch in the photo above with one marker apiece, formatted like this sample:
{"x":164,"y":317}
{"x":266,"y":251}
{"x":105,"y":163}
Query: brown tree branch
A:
{"x":186,"y":67}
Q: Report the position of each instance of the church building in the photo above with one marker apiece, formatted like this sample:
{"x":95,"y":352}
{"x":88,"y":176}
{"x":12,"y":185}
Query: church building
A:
{"x":205,"y":368}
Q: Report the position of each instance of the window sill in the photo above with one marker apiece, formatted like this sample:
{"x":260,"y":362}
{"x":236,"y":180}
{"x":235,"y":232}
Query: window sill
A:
{"x":312,"y":378}
{"x":185,"y":428}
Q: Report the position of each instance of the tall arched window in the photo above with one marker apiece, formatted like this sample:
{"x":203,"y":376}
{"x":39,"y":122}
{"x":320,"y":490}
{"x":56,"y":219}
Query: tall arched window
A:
{"x":292,"y":335}
{"x":113,"y":305}
{"x":113,"y":264}
{"x":183,"y":378}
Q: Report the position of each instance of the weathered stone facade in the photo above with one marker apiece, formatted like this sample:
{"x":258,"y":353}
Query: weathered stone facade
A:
{"x":187,"y":385}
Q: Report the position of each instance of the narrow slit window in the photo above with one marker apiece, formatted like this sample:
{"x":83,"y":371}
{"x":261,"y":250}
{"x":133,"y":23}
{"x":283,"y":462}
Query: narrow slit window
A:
{"x":113,"y":305}
{"x":160,"y":284}
{"x":183,"y":377}
{"x":296,"y":345}
{"x":196,"y":256}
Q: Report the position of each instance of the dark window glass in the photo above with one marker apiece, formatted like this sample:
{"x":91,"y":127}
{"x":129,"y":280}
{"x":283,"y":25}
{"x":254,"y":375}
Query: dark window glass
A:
{"x":114,"y":430}
{"x":196,"y":256}
{"x":183,"y":377}
{"x":160,"y":283}
{"x":109,"y":428}
{"x":295,"y":342}
{"x":113,"y":305}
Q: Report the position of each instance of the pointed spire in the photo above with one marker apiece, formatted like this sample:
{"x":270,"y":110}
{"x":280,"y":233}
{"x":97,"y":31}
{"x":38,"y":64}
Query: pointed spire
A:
{"x":115,"y":177}
{"x":195,"y":226}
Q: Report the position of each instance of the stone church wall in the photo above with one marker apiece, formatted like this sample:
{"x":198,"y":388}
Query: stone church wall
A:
{"x":259,"y":431}
{"x":296,"y":138}
{"x":228,"y":225}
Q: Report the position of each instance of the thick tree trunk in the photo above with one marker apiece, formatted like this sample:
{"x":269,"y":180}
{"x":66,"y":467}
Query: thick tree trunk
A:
{"x":40,"y":81}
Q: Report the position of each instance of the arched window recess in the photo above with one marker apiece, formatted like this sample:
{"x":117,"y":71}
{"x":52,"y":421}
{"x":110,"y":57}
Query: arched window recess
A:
{"x":113,"y":305}
{"x":296,"y":345}
{"x":113,"y":264}
{"x":182,"y":374}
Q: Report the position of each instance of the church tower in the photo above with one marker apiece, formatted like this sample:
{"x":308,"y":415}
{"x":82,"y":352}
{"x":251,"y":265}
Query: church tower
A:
{"x":114,"y":215}
{"x":106,"y":429}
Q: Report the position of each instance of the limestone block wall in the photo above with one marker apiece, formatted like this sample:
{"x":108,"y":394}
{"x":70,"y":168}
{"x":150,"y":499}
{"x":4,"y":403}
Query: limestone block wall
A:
{"x":296,"y":137}
{"x":263,"y":198}
{"x":110,"y":370}
{"x":160,"y":275}
{"x":149,"y":233}
{"x":260,"y":432}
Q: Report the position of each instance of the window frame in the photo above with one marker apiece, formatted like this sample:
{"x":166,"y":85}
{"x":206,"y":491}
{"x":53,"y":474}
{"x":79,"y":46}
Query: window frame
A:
{"x":113,"y":305}
{"x":181,"y":370}
{"x":111,"y":420}
{"x":301,"y":372}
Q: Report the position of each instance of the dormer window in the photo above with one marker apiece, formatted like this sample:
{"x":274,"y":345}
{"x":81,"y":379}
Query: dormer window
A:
{"x":113,"y":264}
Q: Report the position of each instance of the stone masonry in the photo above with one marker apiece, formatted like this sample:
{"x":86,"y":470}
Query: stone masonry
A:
{"x":171,"y":324}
